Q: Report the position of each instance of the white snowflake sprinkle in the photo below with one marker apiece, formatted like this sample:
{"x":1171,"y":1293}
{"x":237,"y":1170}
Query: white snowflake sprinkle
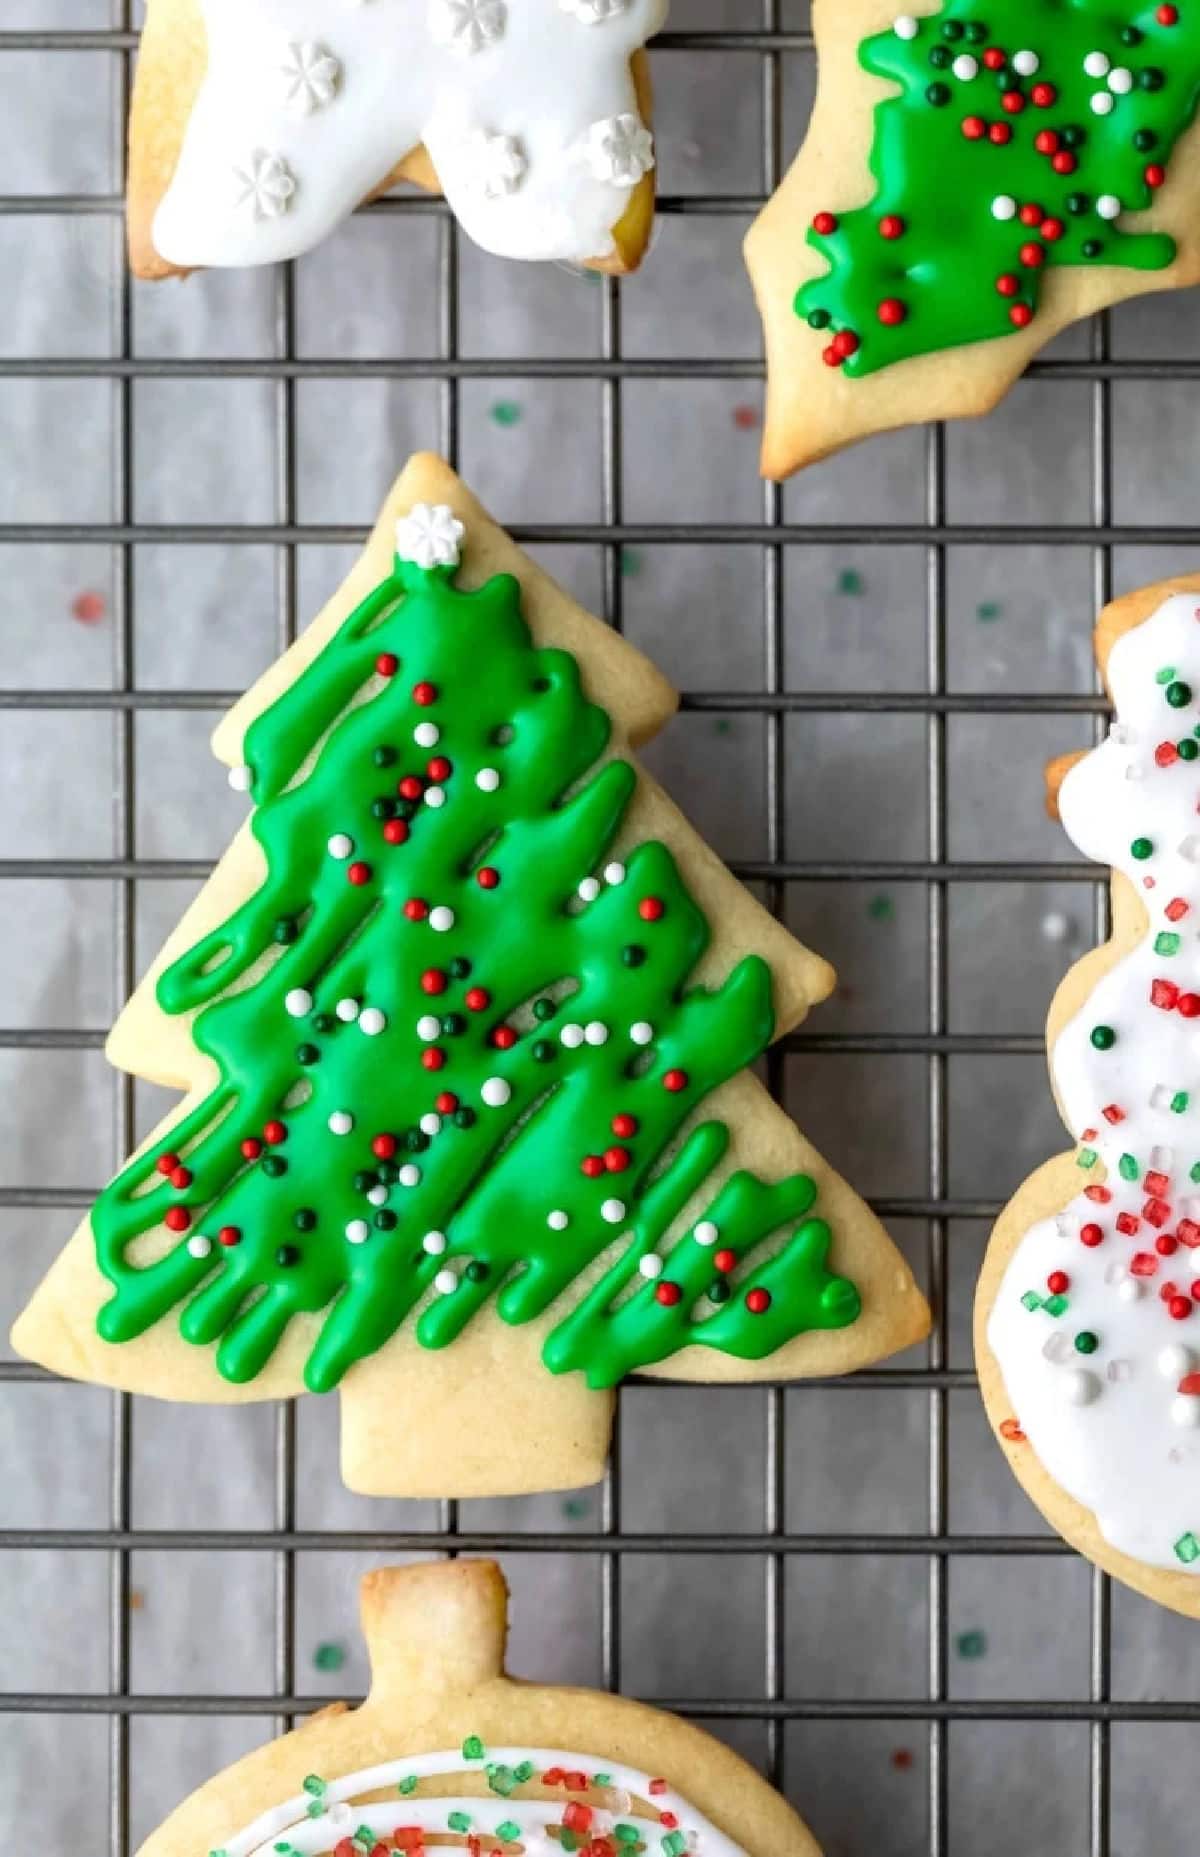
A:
{"x":1120,"y":80}
{"x":467,"y":26}
{"x":264,"y":185}
{"x":1096,"y":64}
{"x":1102,"y":103}
{"x":491,"y":164}
{"x":310,"y":75}
{"x":620,"y":149}
{"x":1004,"y":207}
{"x":1108,"y":206}
{"x":965,"y":67}
{"x":430,"y":536}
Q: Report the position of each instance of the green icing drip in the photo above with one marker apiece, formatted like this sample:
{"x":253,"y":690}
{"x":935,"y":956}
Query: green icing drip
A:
{"x":943,"y":267}
{"x":327,"y":759}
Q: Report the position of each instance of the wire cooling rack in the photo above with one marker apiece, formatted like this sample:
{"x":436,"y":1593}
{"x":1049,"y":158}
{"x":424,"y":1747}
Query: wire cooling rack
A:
{"x":773,"y":38}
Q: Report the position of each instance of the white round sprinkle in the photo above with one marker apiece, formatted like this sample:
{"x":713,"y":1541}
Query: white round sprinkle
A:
{"x":496,"y":1092}
{"x":431,"y":1124}
{"x":641,"y":1032}
{"x":241,"y":779}
{"x":427,"y":735}
{"x":1185,"y":1409}
{"x":1080,"y":1387}
{"x":198,"y":1245}
{"x":434,"y":1243}
{"x":1108,"y":206}
{"x":614,"y":873}
{"x":487,"y":779}
{"x":298,"y":1002}
{"x":410,"y":1174}
{"x":571,"y":1035}
{"x":446,"y":1282}
{"x":596,"y":1033}
{"x":435,"y":797}
{"x":441,"y":918}
{"x":428,"y":1027}
{"x":1025,"y":63}
{"x":651,"y":1265}
{"x":347,"y":1010}
{"x":378,"y":1196}
{"x":558,"y":1221}
{"x":905,"y":27}
{"x":1004,"y":207}
{"x":1101,"y":102}
{"x":1174,"y":1361}
{"x":340,"y":1122}
{"x":358,"y":1231}
{"x":1096,"y":64}
{"x":706,"y":1232}
{"x":1120,"y":80}
{"x":371,"y":1021}
{"x":965,"y":67}
{"x":340,"y":845}
{"x":1130,"y":1290}
{"x":589,"y":889}
{"x":612,"y":1211}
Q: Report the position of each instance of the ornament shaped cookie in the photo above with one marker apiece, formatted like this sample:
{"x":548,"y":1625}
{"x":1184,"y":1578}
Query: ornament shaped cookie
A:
{"x":1088,"y":1312}
{"x":449,"y":1753}
{"x":259,"y":125}
{"x":464,"y":1018}
{"x":974,"y":178}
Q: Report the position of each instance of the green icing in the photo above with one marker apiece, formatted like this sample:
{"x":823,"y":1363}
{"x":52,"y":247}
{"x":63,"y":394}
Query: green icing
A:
{"x":326,"y":759}
{"x":942,"y":268}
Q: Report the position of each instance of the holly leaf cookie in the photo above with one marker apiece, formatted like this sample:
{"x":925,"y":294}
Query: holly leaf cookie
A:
{"x":974,"y":178}
{"x":1087,"y":1320}
{"x":465,"y":1018}
{"x":448,"y":1752}
{"x":258,"y":125}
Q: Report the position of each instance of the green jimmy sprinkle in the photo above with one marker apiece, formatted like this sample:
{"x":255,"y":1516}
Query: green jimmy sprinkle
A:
{"x":473,"y":1748}
{"x":407,"y":1785}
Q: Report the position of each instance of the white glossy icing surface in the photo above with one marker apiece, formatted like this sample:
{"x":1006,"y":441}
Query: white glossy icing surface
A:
{"x":1117,"y":1427}
{"x":527,"y":108}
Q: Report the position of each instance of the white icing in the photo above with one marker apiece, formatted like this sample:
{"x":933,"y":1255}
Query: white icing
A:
{"x":307,"y":106}
{"x":1126,"y":1450}
{"x":290,"y":1823}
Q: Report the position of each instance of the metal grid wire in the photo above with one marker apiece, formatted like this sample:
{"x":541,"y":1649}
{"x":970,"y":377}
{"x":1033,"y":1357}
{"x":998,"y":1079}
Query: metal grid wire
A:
{"x":935,"y":873}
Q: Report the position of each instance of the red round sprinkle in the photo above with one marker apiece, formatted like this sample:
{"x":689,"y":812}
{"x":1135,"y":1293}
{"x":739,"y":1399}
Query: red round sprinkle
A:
{"x":592,"y":1165}
{"x":825,"y":223}
{"x":974,"y":127}
{"x":1032,"y":255}
{"x":846,"y":343}
{"x":1057,"y":1282}
{"x":994,"y":58}
{"x":1012,"y":102}
{"x":425,"y":694}
{"x":616,"y":1160}
{"x":229,"y":1235}
{"x":433,"y":1057}
{"x":1020,"y":315}
{"x":446,"y":1103}
{"x":625,"y":1126}
{"x":1064,"y":162}
{"x":1000,"y":133}
{"x":1008,"y":284}
{"x":433,"y":980}
{"x":167,"y":1163}
{"x":651,"y":908}
{"x":275,"y":1132}
{"x":1090,"y":1235}
{"x":178,"y":1219}
{"x":758,"y":1302}
{"x":891,"y":311}
{"x":1031,"y":215}
{"x":1165,"y":1245}
{"x":1052,"y":229}
{"x":360,"y":873}
{"x":503,"y":1037}
{"x":181,"y":1179}
{"x":478,"y":999}
{"x":1167,"y":15}
{"x":675,"y":1080}
{"x":1189,"y":1004}
{"x":387,"y":664}
{"x":395,"y":832}
{"x":891,"y":226}
{"x":384,"y":1146}
{"x":251,"y":1148}
{"x":416,"y":909}
{"x":830,"y":357}
{"x":725,"y":1259}
{"x":1179,"y":1308}
{"x":1156,"y":174}
{"x":1044,"y":95}
{"x":487,"y":877}
{"x":1046,"y":142}
{"x":668,"y":1294}
{"x":439,"y":768}
{"x":411,"y":787}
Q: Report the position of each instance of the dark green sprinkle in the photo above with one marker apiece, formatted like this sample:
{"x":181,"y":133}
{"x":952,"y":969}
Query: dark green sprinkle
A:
{"x":543,"y":1050}
{"x":938,"y":95}
{"x":384,"y":756}
{"x":523,"y":1772}
{"x":1103,"y":1037}
{"x":307,"y":1054}
{"x":384,"y":807}
{"x":407,"y":1785}
{"x":274,"y":1166}
{"x":324,"y":1022}
{"x":1151,"y":78}
{"x":633,"y":954}
{"x":1179,"y":695}
{"x":1072,"y":136}
{"x":1131,"y":35}
{"x":544,"y":1009}
{"x":287,"y":1254}
{"x":1086,"y":1342}
{"x":971,"y":1644}
{"x":819,"y":319}
{"x":460,"y":967}
{"x":477,"y":1271}
{"x":406,"y":809}
{"x":365,"y":1180}
{"x":1144,"y":140}
{"x":285,"y":931}
{"x":384,"y":1220}
{"x":454,"y":1025}
{"x":1077,"y":203}
{"x":719,"y":1291}
{"x":939,"y":58}
{"x":473,"y":1748}
{"x":1188,"y":749}
{"x":952,"y":29}
{"x":415,"y":1141}
{"x":464,"y":1118}
{"x":305,"y":1219}
{"x":1091,"y":248}
{"x":1142,"y":848}
{"x":389,"y":1173}
{"x":508,"y":1831}
{"x":459,"y":1821}
{"x":977,"y":31}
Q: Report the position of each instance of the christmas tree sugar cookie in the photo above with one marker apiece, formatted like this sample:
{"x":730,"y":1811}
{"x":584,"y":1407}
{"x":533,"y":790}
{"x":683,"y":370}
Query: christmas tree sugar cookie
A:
{"x":448,"y":1752}
{"x":464,"y":1019}
{"x":1088,"y":1312}
{"x":259,"y":125}
{"x":975,"y":177}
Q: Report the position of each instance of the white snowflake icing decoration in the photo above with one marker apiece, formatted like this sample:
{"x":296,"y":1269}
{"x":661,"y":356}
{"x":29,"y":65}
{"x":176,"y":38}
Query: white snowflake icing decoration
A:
{"x":620,"y":149}
{"x":594,"y":12}
{"x":468,"y":25}
{"x":430,"y":536}
{"x":265,"y":185}
{"x":310,"y":75}
{"x":492,"y":164}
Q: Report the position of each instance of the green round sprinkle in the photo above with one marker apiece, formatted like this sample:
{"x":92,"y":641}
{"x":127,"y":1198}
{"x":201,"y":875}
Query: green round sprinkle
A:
{"x":1188,"y":748}
{"x":1103,"y":1037}
{"x":415,"y":1141}
{"x":324,"y":1022}
{"x":1086,"y":1342}
{"x":819,"y":319}
{"x":1091,"y":248}
{"x":389,"y":1173}
{"x":938,"y":95}
{"x":633,"y":954}
{"x":1072,"y":137}
{"x":1144,"y":140}
{"x":384,"y":1220}
{"x":1179,"y":695}
{"x":543,"y":1050}
{"x":454,"y":1025}
{"x":977,"y":32}
{"x":939,"y":57}
{"x":460,"y":967}
{"x":285,"y":931}
{"x":274,"y":1166}
{"x":464,"y":1118}
{"x":365,"y":1180}
{"x":1077,"y":203}
{"x":1142,"y":848}
{"x":307,"y":1054}
{"x":406,"y":809}
{"x":384,"y":807}
{"x":287,"y":1255}
{"x":952,"y":29}
{"x":1151,"y":78}
{"x":719,"y":1291}
{"x":544,"y":1009}
{"x":305,"y":1219}
{"x":1131,"y":35}
{"x":477,"y":1271}
{"x":384,"y":756}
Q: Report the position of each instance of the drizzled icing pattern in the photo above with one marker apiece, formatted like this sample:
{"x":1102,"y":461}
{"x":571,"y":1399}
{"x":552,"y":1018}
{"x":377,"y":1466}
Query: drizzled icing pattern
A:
{"x":528,"y":112}
{"x":614,"y":1808}
{"x":1096,"y":1325}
